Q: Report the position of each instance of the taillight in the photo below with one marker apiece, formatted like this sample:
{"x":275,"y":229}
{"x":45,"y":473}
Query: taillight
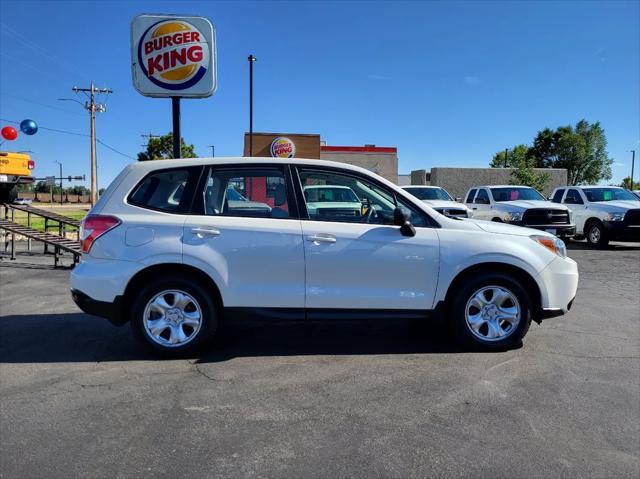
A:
{"x":94,"y":226}
{"x":31,"y":164}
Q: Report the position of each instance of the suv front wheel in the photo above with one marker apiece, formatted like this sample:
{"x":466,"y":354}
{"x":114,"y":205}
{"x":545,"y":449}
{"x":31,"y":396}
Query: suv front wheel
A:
{"x":174,"y":316}
{"x":492,"y":311}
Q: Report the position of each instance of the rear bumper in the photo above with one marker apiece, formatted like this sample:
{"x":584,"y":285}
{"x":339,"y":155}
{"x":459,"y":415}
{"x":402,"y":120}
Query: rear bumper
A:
{"x":103,"y":309}
{"x":621,"y":231}
{"x":15,"y":180}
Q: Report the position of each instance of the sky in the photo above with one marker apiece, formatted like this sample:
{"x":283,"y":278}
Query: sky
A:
{"x":448,"y":83}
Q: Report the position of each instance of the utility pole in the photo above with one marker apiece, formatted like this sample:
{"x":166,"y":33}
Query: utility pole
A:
{"x":252,"y":60}
{"x":213,"y":150}
{"x":92,"y":107}
{"x":506,"y":156}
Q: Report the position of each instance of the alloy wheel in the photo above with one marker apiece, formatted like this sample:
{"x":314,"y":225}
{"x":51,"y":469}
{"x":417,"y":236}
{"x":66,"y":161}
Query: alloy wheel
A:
{"x":172,"y":318}
{"x":492,"y":313}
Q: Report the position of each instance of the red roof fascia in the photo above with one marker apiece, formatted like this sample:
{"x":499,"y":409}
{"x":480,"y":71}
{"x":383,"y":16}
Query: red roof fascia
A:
{"x":361,"y":149}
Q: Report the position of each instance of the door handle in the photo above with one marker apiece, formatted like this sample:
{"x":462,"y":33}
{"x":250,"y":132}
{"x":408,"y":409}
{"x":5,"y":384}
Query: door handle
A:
{"x":205,"y":231}
{"x":474,"y":208}
{"x":321,"y":238}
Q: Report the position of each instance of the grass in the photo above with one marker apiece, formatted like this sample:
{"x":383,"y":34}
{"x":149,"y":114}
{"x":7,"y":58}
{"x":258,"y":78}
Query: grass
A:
{"x":37,"y":222}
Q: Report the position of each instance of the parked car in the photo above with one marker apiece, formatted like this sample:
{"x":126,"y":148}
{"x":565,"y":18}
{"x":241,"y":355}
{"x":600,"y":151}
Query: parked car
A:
{"x":22,"y":201}
{"x":440,"y":200}
{"x":520,"y":206}
{"x":175,"y":271}
{"x":332,"y":201}
{"x":602,"y":213}
{"x":636,"y":193}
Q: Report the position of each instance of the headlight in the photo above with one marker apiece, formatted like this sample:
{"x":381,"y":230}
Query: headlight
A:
{"x":553,"y":244}
{"x":469,"y":213}
{"x":614,"y":217}
{"x":515,"y":216}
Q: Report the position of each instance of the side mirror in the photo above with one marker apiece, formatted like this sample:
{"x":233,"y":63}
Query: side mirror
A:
{"x":403,"y":220}
{"x":458,"y":199}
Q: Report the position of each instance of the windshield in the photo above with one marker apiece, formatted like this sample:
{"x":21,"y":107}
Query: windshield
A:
{"x":596,"y":195}
{"x":516,"y":193}
{"x":429,"y":193}
{"x":331,"y":195}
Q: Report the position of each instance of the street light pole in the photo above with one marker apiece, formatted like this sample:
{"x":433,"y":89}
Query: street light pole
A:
{"x":251,"y":59}
{"x":213,"y":151}
{"x":60,"y":180}
{"x":633,"y":160}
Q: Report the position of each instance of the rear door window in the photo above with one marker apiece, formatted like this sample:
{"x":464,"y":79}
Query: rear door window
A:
{"x":258,"y":192}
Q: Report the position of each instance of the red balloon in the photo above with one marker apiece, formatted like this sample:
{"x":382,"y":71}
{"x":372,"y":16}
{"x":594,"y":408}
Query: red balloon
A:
{"x":9,"y":133}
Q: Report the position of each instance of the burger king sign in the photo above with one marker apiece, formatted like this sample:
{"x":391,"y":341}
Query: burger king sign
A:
{"x":283,"y":147}
{"x":173,"y":56}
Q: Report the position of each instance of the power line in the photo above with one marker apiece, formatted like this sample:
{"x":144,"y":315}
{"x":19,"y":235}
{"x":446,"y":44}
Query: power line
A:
{"x":76,"y":134}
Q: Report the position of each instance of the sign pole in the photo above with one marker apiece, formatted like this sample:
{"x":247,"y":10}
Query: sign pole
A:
{"x":175,"y":109}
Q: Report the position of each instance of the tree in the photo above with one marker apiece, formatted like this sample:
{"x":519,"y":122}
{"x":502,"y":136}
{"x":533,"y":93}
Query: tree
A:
{"x":525,"y":174}
{"x":161,"y":148}
{"x":582,"y":150}
{"x":626,"y":183}
{"x":510,"y":158}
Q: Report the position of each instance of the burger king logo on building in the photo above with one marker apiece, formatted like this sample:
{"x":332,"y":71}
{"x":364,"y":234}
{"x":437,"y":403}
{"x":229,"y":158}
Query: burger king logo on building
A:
{"x":172,"y":54}
{"x":283,"y":147}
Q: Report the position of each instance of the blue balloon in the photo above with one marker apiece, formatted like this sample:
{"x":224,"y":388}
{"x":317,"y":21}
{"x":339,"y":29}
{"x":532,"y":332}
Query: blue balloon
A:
{"x":28,"y":127}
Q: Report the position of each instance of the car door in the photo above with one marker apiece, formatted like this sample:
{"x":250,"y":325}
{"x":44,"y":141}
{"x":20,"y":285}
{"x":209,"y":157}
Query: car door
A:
{"x":245,"y":231}
{"x":575,"y":202}
{"x":481,"y":205}
{"x":359,"y":260}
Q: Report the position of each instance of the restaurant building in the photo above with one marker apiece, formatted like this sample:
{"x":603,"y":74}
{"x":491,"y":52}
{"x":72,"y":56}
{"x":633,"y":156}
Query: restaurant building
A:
{"x":382,"y":160}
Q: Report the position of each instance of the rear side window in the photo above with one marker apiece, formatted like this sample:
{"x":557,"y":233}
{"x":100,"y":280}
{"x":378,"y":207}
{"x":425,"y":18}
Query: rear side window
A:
{"x":165,"y":190}
{"x":557,"y":196}
{"x":470,"y":196}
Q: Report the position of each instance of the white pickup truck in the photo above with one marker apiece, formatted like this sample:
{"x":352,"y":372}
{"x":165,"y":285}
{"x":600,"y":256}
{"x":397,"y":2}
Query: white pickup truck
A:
{"x":520,"y":206}
{"x":601,"y":213}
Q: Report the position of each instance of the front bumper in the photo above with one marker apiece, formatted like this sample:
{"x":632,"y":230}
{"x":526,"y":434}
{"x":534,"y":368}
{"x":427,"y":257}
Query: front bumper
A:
{"x":558,"y":285}
{"x":561,"y":231}
{"x":622,"y":231}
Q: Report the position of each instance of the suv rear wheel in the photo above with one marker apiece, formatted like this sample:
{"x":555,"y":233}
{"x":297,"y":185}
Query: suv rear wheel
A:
{"x":492,"y":311}
{"x":174,"y":316}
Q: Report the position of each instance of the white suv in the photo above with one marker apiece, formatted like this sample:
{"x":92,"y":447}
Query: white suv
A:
{"x":602,"y":213}
{"x":165,"y":250}
{"x":520,"y":206}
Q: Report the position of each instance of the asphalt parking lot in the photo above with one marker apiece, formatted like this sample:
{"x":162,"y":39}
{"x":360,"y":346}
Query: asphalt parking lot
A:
{"x":388,"y":399}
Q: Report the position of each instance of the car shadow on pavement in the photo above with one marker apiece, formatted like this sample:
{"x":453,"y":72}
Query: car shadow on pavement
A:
{"x":77,"y":337}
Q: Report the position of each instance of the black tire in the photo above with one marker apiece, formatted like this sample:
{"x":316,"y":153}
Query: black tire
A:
{"x":596,"y":234}
{"x":497,"y":220}
{"x":457,"y":319}
{"x":8,"y":194}
{"x":203,"y":300}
